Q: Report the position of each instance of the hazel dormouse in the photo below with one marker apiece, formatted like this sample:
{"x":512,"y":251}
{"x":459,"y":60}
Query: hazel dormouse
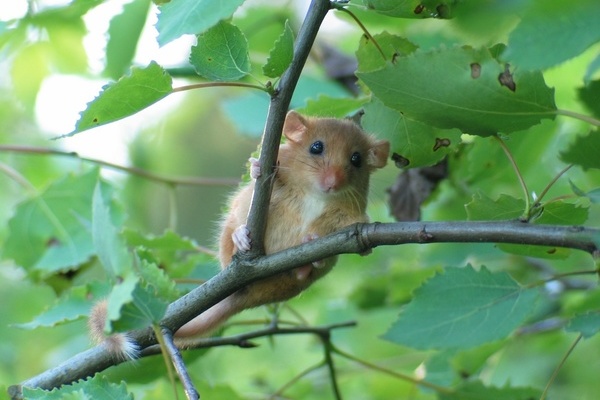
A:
{"x":321,"y":185}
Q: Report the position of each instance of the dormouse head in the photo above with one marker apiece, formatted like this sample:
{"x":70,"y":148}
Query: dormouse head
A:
{"x":330,"y":156}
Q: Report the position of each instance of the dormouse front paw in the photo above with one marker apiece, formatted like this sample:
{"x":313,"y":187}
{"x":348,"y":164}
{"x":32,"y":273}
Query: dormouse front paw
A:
{"x":254,"y":167}
{"x":241,"y":238}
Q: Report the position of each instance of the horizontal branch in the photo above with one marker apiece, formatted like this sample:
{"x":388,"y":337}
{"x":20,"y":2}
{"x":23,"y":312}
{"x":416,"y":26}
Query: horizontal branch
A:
{"x":168,"y":180}
{"x":357,"y":238}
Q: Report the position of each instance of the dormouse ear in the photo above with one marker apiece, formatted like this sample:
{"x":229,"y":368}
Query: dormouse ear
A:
{"x":378,"y":154}
{"x":295,"y":126}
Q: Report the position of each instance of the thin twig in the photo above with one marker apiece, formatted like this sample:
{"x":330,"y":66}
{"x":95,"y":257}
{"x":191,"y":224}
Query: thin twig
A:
{"x":296,"y":378}
{"x":162,"y":343}
{"x":188,"y":386}
{"x":243,"y":340}
{"x":191,"y":181}
{"x":404,"y":377}
{"x":328,"y":349}
{"x":526,"y":213}
{"x":560,"y":365}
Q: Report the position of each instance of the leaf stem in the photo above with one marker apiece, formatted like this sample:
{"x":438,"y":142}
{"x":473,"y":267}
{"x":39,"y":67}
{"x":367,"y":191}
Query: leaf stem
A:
{"x":219,"y":84}
{"x":360,"y":24}
{"x":552,"y":182}
{"x":191,"y":181}
{"x":559,"y":366}
{"x":17,"y":177}
{"x":408,"y":378}
{"x":581,"y":117}
{"x":527,"y":211}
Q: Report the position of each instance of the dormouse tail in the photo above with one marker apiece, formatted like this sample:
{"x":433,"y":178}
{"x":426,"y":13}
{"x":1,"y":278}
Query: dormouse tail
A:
{"x":211,"y":319}
{"x":120,"y":345}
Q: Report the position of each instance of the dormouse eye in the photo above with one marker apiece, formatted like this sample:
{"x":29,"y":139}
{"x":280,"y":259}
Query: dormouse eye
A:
{"x":356,"y":159}
{"x":317,"y":147}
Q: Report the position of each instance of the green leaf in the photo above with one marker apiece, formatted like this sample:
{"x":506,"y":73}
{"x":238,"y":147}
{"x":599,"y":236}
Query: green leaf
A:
{"x":505,"y":207}
{"x":147,"y":307}
{"x":589,"y":95}
{"x":51,"y":232}
{"x":123,"y":35}
{"x":562,"y":213}
{"x":587,"y":324}
{"x":73,"y":305}
{"x":591,"y":70}
{"x":412,"y":8}
{"x":334,"y":107}
{"x":463,"y":88}
{"x":169,"y":240}
{"x":121,"y":295}
{"x":110,"y":246}
{"x":130,"y":94}
{"x":477,"y":391}
{"x":584,"y":151}
{"x":157,"y":278}
{"x":221,"y":53}
{"x":463,"y":308}
{"x":180,"y":17}
{"x":553,"y":253}
{"x":370,"y":59}
{"x":415,"y":143}
{"x":593,"y":195}
{"x":280,"y":56}
{"x":97,"y":387}
{"x":539,"y":41}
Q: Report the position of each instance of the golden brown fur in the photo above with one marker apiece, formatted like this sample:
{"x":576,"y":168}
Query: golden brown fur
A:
{"x":313,"y":195}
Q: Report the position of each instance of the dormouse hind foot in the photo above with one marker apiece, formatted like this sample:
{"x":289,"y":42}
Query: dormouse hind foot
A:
{"x":241,"y":238}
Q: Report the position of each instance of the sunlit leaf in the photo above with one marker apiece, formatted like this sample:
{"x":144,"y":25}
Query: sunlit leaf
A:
{"x":463,"y":308}
{"x":130,"y":94}
{"x":463,"y":88}
{"x":221,"y":53}
{"x":123,"y":35}
{"x":180,"y":17}
{"x":280,"y":56}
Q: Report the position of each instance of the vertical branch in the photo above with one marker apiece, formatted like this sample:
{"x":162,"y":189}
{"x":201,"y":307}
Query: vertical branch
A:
{"x":280,"y":102}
